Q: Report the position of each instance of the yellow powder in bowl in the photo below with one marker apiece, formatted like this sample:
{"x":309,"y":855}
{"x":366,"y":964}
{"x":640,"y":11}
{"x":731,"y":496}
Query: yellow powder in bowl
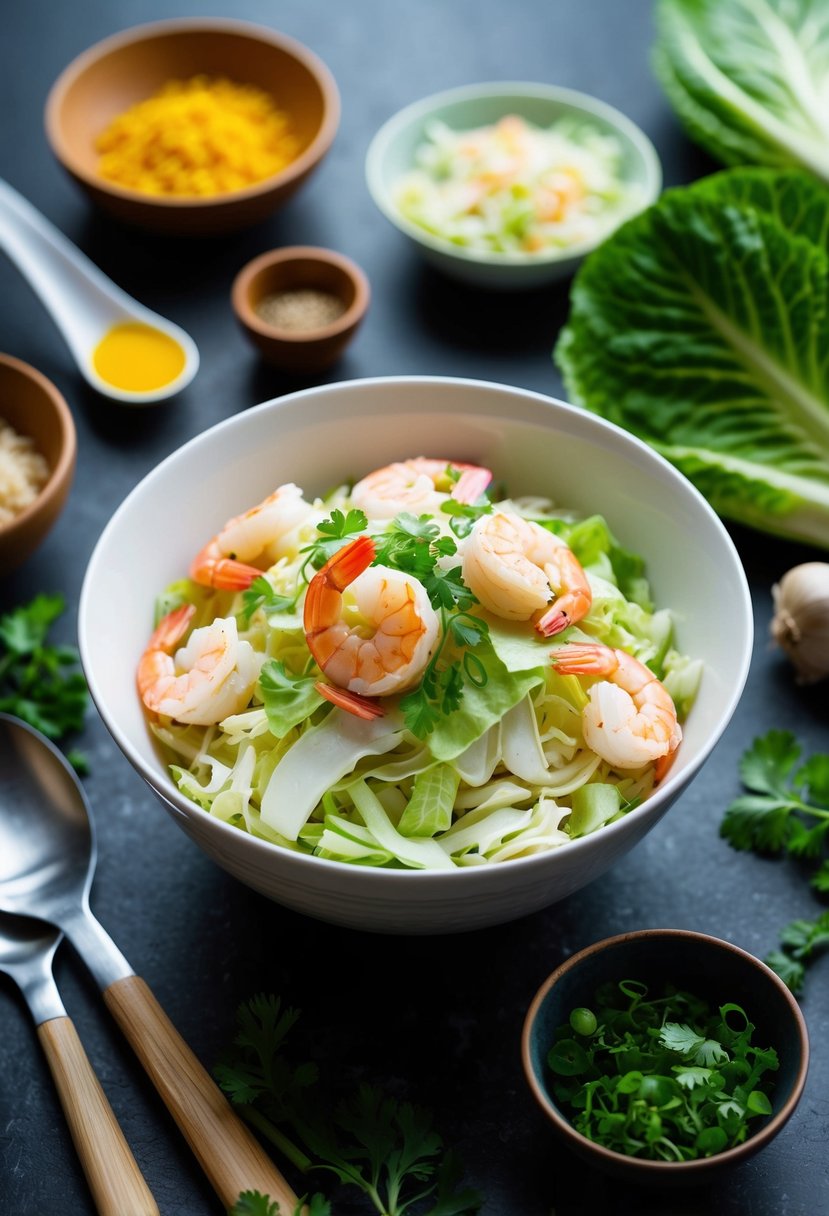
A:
{"x":23,"y":473}
{"x":202,"y":136}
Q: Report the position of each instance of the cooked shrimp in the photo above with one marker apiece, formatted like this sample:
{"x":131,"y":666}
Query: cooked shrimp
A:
{"x":206,"y":680}
{"x":253,"y":536}
{"x":630,"y":719}
{"x":515,"y":567}
{"x":419,"y":486}
{"x":370,"y":628}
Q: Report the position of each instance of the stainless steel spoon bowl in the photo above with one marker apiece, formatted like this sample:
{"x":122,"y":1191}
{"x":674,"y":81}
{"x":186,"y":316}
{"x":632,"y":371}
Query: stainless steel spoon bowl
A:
{"x":47,"y":860}
{"x":27,"y":948}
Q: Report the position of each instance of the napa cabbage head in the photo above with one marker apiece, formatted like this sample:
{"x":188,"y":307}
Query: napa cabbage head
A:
{"x":749,"y":78}
{"x":702,"y":326}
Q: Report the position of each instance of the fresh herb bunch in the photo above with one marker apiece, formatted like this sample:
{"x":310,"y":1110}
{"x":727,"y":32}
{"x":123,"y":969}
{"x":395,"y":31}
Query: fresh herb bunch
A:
{"x":786,"y":808}
{"x":386,"y":1149}
{"x":801,"y":941}
{"x":666,"y":1078}
{"x":40,"y":682}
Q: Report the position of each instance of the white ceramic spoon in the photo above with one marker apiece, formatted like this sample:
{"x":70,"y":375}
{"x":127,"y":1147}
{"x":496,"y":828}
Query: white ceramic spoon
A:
{"x":83,"y":302}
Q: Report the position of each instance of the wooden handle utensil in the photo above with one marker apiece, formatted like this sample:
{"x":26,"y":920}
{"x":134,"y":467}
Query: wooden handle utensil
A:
{"x":116,"y":1183}
{"x":227,"y":1151}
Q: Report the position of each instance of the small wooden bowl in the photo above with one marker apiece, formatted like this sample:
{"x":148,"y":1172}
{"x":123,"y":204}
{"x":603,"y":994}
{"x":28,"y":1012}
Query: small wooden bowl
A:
{"x":33,"y":406}
{"x":114,"y":74}
{"x":712,"y":969}
{"x":292,"y":268}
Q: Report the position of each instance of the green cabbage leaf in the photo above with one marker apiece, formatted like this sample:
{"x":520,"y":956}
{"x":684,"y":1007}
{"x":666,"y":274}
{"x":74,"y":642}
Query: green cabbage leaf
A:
{"x":749,"y":78}
{"x":702,"y":326}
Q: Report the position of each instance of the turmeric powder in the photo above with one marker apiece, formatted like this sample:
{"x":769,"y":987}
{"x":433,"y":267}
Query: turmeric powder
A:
{"x":202,"y":136}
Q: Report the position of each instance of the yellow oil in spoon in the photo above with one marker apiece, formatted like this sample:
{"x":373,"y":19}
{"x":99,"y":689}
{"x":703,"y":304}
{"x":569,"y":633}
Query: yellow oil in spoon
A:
{"x":137,"y":358}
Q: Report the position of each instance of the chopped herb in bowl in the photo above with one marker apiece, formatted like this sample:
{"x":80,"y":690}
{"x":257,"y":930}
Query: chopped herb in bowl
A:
{"x":665,"y":1056}
{"x":661,"y":1076}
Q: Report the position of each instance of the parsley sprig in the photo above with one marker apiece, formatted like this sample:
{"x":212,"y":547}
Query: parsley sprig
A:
{"x":388,"y":1150}
{"x":260,"y":594}
{"x":254,"y":1203}
{"x":335,"y":532}
{"x":40,"y":682}
{"x":786,"y":807}
{"x":666,"y":1078}
{"x":801,"y":942}
{"x":464,"y":516}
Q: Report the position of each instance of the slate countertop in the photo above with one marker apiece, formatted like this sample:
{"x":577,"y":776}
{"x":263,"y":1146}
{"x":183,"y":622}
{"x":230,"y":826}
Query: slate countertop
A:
{"x":437,"y":1020}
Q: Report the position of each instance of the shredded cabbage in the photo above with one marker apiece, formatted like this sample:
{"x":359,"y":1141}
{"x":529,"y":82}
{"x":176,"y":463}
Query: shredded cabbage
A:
{"x":506,"y":774}
{"x":514,"y":187}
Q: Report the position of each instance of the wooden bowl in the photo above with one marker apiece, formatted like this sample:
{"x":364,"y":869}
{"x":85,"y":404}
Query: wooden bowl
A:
{"x":33,"y":406}
{"x":114,"y":74}
{"x":293,"y":268}
{"x":712,"y":969}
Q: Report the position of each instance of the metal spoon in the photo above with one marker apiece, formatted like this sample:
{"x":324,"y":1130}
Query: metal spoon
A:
{"x":47,"y":860}
{"x":84,"y":303}
{"x":27,"y":948}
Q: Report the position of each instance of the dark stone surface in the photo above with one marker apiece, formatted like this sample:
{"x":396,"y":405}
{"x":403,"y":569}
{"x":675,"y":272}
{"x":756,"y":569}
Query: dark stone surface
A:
{"x":435,"y":1019}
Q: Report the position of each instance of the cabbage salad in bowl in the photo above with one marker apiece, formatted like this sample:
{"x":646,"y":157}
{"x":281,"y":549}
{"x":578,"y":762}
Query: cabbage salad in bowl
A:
{"x":414,"y":673}
{"x":514,"y":187}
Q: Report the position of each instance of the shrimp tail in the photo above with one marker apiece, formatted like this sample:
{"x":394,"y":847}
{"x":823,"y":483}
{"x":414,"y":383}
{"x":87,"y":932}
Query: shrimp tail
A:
{"x":471,"y":484}
{"x":353,"y":702}
{"x":663,"y":764}
{"x":342,"y":569}
{"x":210,"y":569}
{"x":583,"y":659}
{"x":172,"y":628}
{"x":166,"y":637}
{"x":577,"y":598}
{"x":554,"y":621}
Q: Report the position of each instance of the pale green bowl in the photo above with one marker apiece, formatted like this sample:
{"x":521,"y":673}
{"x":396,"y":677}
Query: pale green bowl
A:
{"x":391,"y":154}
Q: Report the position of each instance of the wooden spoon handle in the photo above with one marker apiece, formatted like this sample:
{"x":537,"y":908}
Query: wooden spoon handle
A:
{"x":230,"y":1155}
{"x":114,"y":1178}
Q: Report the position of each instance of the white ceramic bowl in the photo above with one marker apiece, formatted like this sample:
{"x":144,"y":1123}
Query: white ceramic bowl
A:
{"x":391,"y":155}
{"x":319,"y":437}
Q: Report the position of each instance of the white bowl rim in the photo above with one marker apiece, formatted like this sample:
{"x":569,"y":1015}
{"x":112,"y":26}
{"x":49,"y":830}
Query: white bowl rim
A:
{"x":174,"y":799}
{"x":592,"y":106}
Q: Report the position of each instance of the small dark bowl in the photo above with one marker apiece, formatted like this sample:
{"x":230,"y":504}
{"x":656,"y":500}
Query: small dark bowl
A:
{"x":289,"y":269}
{"x":706,"y":966}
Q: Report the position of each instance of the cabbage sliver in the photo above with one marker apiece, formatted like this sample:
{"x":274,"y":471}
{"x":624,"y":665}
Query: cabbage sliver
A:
{"x":320,"y":757}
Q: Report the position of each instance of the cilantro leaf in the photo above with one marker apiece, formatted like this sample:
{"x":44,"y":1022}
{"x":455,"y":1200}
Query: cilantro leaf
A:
{"x":446,"y":589}
{"x":254,"y":1203}
{"x":791,"y":972}
{"x":41,"y":683}
{"x":680,"y":1038}
{"x":786,"y":806}
{"x":335,"y":532}
{"x":464,"y":515}
{"x":801,"y":940}
{"x":765,"y":766}
{"x":260,"y":594}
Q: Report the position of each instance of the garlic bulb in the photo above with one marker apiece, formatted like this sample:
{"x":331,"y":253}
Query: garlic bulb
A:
{"x":801,"y":619}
